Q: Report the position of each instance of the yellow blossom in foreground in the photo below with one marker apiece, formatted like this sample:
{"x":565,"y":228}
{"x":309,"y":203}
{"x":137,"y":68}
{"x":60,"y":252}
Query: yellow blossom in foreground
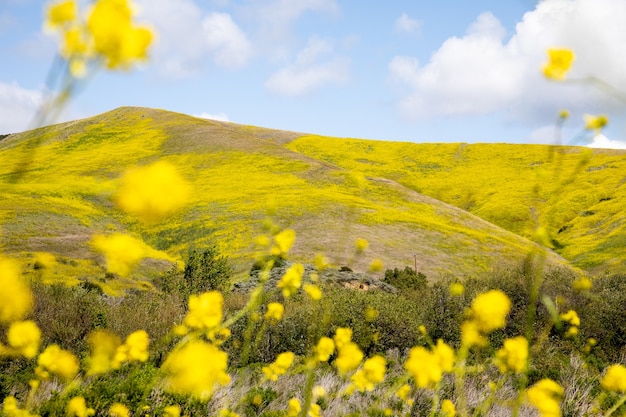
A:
{"x":470,"y":334}
{"x":135,"y":349}
{"x":61,"y":13}
{"x":320,"y":262}
{"x":318,"y":391}
{"x":361,"y":244}
{"x":77,"y":407}
{"x":152,"y":192}
{"x":376,"y":265}
{"x":349,"y":357}
{"x":563,"y":114}
{"x":546,"y":397}
{"x":11,"y":409}
{"x":195,"y":369}
{"x":16,"y":300}
{"x":283,"y":242}
{"x":103,"y":348}
{"x":291,"y":281}
{"x":274,"y":312}
{"x":343,"y":335}
{"x":325,"y":347}
{"x":24,"y":336}
{"x":595,"y":122}
{"x":513,"y":356}
{"x":313,"y":291}
{"x":489,"y":310}
{"x":205,"y":310}
{"x":447,"y":408}
{"x":119,"y":410}
{"x":315,"y":411}
{"x":279,"y":366}
{"x":45,"y":260}
{"x":427,"y":367}
{"x":171,"y":411}
{"x":582,"y":284}
{"x":122,"y":252}
{"x":571,"y":317}
{"x":294,"y":407}
{"x":403,"y":392}
{"x":371,"y":373}
{"x":445,"y":355}
{"x":559,"y":63}
{"x":456,"y":289}
{"x":54,"y":360}
{"x":615,"y":378}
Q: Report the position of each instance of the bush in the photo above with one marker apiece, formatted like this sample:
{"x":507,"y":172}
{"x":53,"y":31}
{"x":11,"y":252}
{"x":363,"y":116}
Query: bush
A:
{"x":206,"y":270}
{"x":406,"y":279}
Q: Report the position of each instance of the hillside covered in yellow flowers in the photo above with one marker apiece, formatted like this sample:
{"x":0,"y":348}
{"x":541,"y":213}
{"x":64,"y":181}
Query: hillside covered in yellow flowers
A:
{"x":463,"y":210}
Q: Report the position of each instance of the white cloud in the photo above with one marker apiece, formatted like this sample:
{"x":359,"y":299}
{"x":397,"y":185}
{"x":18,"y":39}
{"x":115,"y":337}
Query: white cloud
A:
{"x":307,"y":73}
{"x":405,"y":24}
{"x":228,"y":44}
{"x":483,"y":72}
{"x":17,"y":107}
{"x":222,"y":117}
{"x":601,"y":141}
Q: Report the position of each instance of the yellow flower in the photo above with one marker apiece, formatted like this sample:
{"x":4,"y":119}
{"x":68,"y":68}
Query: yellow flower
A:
{"x":615,"y":378}
{"x":318,"y":391}
{"x":361,"y":245}
{"x":11,"y":409}
{"x":571,"y":317}
{"x":447,"y":408}
{"x":291,"y":281}
{"x":563,"y":114}
{"x":195,"y":369}
{"x":320,"y":262}
{"x":16,"y":300}
{"x":403,"y":392}
{"x":470,"y":334}
{"x":343,"y":335}
{"x":119,"y":410}
{"x":171,"y":411}
{"x":513,"y":356}
{"x":456,"y":289}
{"x":582,"y":284}
{"x":205,"y":311}
{"x":560,"y":61}
{"x":371,"y":373}
{"x":546,"y":397}
{"x":294,"y":407}
{"x":283,"y":242}
{"x":444,"y":355}
{"x":489,"y":310}
{"x":122,"y":252}
{"x":313,"y":291}
{"x":24,"y":336}
{"x":371,"y":314}
{"x":77,"y":407}
{"x":61,"y":13}
{"x":376,"y":265}
{"x":153,"y":191}
{"x":103,"y":349}
{"x":325,"y":347}
{"x":424,"y":367}
{"x":595,"y":122}
{"x":349,"y":357}
{"x":134,"y":349}
{"x":58,"y":362}
{"x":45,"y":260}
{"x":279,"y":366}
{"x":274,"y":312}
{"x":225,"y":412}
{"x":315,"y":411}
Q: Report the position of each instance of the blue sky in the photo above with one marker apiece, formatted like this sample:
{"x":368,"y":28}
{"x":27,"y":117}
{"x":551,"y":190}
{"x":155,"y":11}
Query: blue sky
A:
{"x":421,"y":71}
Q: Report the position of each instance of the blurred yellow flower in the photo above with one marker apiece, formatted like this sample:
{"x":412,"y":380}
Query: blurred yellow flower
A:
{"x":447,"y":408}
{"x":471,"y":335}
{"x":582,"y":284}
{"x":595,"y":122}
{"x":571,"y":317}
{"x":456,"y":289}
{"x":77,"y":407}
{"x":403,"y":392}
{"x":313,"y":291}
{"x":343,"y":335}
{"x":490,"y":309}
{"x":279,"y":366}
{"x":291,"y":281}
{"x":559,"y":63}
{"x":195,"y":369}
{"x":614,"y":378}
{"x":318,"y":391}
{"x":376,"y":265}
{"x":320,"y":262}
{"x":171,"y":411}
{"x":513,"y":356}
{"x":563,"y":114}
{"x":24,"y":336}
{"x":61,"y":13}
{"x":58,"y":362}
{"x":153,"y":191}
{"x":274,"y":312}
{"x":293,"y":407}
{"x":11,"y":409}
{"x":361,"y":245}
{"x":349,"y":357}
{"x":135,"y":349}
{"x":16,"y":300}
{"x":371,"y":313}
{"x":371,"y":373}
{"x":315,"y":411}
{"x":444,"y":355}
{"x":103,"y":348}
{"x":424,"y":367}
{"x":119,"y":410}
{"x":283,"y":242}
{"x":546,"y":397}
{"x":121,"y":252}
{"x":205,"y":311}
{"x":325,"y":347}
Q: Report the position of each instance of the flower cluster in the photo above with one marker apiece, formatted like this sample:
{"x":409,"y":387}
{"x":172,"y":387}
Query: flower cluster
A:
{"x":427,"y":367}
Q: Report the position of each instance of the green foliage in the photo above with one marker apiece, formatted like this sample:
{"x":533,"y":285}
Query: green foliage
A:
{"x":405,"y":279}
{"x":206,"y":270}
{"x":257,"y":400}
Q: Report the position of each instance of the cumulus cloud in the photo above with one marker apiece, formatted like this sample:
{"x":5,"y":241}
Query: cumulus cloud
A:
{"x":483,"y":72}
{"x":222,"y":117}
{"x":601,"y":141}
{"x":405,"y":24}
{"x":309,"y":72}
{"x":228,"y":44}
{"x":17,"y":107}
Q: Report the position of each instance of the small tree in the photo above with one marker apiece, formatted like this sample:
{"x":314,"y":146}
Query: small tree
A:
{"x":206,"y":270}
{"x":405,"y":279}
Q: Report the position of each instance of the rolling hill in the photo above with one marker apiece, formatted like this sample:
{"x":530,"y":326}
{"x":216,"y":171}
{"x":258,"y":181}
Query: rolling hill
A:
{"x":464,"y":210}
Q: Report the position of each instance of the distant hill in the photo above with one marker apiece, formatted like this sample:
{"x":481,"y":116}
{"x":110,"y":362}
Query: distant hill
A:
{"x":449,"y":204}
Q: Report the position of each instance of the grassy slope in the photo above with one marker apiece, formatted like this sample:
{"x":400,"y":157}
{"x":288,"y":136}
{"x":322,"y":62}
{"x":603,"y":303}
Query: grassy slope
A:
{"x":578,"y":194}
{"x":240,"y":175}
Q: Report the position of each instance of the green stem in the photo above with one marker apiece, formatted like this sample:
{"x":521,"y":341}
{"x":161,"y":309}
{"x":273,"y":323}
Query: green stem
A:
{"x":435,"y":403}
{"x":459,"y":381}
{"x":615,"y":406}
